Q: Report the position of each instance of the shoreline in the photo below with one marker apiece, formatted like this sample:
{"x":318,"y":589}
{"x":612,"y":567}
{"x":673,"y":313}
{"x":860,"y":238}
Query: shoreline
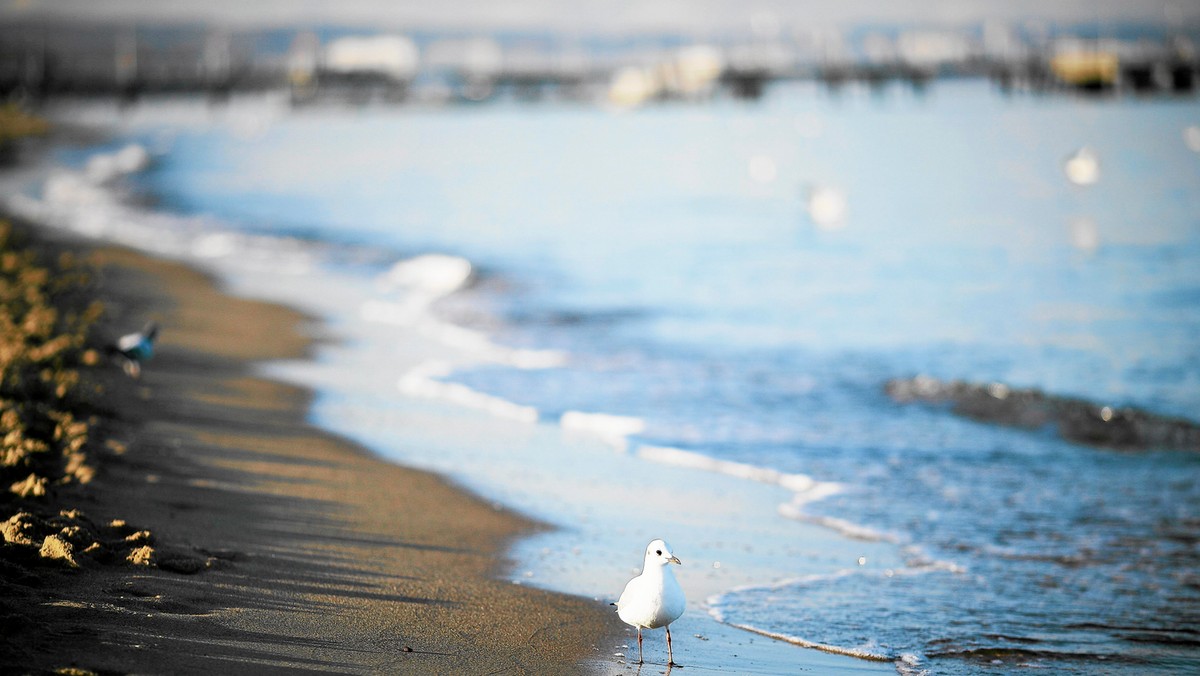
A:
{"x":441,"y":437}
{"x":262,"y":201}
{"x":313,"y":559}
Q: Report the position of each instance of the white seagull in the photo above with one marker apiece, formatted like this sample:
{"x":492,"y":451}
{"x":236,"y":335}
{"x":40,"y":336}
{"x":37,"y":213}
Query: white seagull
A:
{"x":653,"y":599}
{"x":1082,"y":167}
{"x":826,"y":206}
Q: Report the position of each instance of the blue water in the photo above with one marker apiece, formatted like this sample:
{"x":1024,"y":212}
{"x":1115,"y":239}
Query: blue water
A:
{"x":668,"y":251}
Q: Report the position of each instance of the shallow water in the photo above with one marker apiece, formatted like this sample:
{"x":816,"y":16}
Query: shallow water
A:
{"x":651,"y":287}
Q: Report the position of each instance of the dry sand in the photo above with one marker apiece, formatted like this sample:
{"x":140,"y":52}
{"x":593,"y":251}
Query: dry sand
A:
{"x":309,"y":553}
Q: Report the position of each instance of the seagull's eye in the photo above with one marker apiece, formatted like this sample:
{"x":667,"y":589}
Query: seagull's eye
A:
{"x":658,"y":551}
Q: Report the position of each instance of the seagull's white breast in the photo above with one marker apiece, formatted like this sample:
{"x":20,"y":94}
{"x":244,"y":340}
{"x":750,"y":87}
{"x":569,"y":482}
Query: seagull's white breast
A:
{"x":651,"y":600}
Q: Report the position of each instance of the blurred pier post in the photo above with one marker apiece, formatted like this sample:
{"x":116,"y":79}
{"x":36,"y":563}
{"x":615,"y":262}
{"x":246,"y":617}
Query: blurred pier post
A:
{"x":302,"y":59}
{"x":218,"y":63}
{"x":125,"y":64}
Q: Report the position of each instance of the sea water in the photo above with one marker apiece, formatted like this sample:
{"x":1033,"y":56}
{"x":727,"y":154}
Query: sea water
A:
{"x":677,"y":321}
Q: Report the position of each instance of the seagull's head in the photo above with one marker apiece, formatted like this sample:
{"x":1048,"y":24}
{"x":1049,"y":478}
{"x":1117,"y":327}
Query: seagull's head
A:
{"x":659,"y":552}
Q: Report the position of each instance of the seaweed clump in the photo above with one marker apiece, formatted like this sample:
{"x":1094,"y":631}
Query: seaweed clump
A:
{"x":1075,"y":420}
{"x":50,"y":424}
{"x":46,"y":319}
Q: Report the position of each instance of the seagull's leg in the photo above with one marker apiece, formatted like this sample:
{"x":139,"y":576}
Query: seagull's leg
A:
{"x":639,"y":645}
{"x":670,"y":655}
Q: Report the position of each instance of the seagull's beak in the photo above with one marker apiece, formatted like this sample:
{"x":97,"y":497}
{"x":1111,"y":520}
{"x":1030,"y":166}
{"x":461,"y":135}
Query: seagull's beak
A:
{"x":675,"y":560}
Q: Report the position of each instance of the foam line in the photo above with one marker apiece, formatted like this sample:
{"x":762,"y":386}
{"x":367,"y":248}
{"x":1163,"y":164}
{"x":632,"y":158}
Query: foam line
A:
{"x":433,"y":274}
{"x":614,"y":430}
{"x":805,"y":643}
{"x":908,"y":664}
{"x":798,"y":483}
{"x":89,"y":202}
{"x":717,"y":604}
{"x":796,"y":640}
{"x":413,"y":310}
{"x":423,"y":382}
{"x":794,"y":511}
{"x":106,"y":167}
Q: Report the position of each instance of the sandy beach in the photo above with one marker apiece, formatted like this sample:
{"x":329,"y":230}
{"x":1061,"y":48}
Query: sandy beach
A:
{"x":276,"y":547}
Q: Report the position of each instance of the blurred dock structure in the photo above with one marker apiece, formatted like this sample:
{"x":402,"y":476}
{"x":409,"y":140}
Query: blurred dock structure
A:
{"x":42,"y":59}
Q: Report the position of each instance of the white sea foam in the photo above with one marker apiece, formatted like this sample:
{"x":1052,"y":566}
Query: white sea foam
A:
{"x":477,"y":343}
{"x":614,"y":430}
{"x":434,"y":274}
{"x":919,"y":561}
{"x":88,"y":202}
{"x":423,"y":280}
{"x":718,"y":609}
{"x":415,"y":284}
{"x":805,"y":489}
{"x":865,"y":653}
{"x":424,"y":382}
{"x":717,"y":602}
{"x":392,"y":312}
{"x":104,"y":168}
{"x":909,"y":664}
{"x":801,"y":484}
{"x":71,"y":188}
{"x":131,"y":159}
{"x":91,"y":202}
{"x":216,"y":245}
{"x":794,"y":510}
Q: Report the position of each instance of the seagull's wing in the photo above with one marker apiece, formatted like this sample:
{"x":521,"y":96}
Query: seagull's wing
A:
{"x":129,"y":341}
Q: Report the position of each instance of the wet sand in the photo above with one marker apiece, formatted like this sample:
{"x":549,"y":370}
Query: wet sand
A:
{"x":279,"y":547}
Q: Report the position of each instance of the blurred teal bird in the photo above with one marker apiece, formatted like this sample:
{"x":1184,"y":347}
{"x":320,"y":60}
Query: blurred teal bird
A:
{"x":135,"y":348}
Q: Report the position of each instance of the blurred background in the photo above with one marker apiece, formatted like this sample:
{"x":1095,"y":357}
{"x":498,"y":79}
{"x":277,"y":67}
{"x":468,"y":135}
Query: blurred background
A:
{"x":622,"y":52}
